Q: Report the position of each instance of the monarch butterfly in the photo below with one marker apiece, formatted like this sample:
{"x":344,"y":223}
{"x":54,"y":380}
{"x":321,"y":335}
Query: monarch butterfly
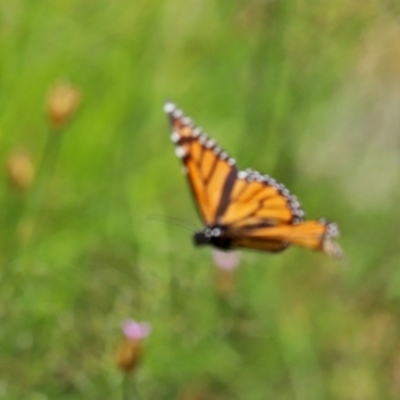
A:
{"x":242,"y":209}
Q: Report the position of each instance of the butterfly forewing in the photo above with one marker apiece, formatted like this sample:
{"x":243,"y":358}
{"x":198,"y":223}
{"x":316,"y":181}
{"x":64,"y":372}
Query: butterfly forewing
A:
{"x":207,"y":167}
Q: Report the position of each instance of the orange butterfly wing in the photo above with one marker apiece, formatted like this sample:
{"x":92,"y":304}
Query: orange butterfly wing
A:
{"x":209,"y":169}
{"x":314,"y":234}
{"x":255,"y":211}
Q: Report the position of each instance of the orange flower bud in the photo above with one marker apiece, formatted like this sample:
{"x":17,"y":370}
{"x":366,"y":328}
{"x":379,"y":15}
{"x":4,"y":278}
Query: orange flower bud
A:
{"x":129,"y":354}
{"x":62,"y":101}
{"x":19,"y":170}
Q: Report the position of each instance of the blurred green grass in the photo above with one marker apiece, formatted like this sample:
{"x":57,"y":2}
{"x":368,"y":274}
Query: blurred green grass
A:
{"x":307,"y":92}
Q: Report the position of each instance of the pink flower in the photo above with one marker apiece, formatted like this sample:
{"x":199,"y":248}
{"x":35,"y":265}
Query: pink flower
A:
{"x":136,"y":330}
{"x":226,"y":261}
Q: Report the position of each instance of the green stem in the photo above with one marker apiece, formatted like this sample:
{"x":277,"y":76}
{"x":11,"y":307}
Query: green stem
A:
{"x":36,"y":201}
{"x":129,"y":389}
{"x":45,"y":171}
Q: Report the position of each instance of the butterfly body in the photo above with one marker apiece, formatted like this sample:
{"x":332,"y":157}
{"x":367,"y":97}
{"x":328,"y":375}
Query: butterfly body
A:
{"x":219,"y":237}
{"x":213,"y":235}
{"x":241,"y":208}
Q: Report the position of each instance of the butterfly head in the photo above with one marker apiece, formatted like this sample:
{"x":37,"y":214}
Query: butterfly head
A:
{"x":214,"y":236}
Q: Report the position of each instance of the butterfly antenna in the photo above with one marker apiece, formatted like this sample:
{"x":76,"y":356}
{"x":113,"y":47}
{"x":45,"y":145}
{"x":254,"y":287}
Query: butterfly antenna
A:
{"x":172,"y":220}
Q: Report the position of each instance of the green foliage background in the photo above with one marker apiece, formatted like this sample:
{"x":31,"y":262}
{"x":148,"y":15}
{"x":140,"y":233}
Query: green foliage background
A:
{"x":307,"y":91}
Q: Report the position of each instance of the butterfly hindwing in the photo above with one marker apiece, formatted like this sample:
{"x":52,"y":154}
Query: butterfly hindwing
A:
{"x":313,"y":234}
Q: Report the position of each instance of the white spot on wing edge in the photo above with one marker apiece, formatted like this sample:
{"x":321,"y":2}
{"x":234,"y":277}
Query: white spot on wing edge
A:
{"x":175,"y":137}
{"x":187,"y":121}
{"x":210,"y":143}
{"x":196,"y":132}
{"x":203,"y":139}
{"x":242,"y":174}
{"x":177,"y":113}
{"x":332,"y":229}
{"x":169,"y":107}
{"x":180,"y":151}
